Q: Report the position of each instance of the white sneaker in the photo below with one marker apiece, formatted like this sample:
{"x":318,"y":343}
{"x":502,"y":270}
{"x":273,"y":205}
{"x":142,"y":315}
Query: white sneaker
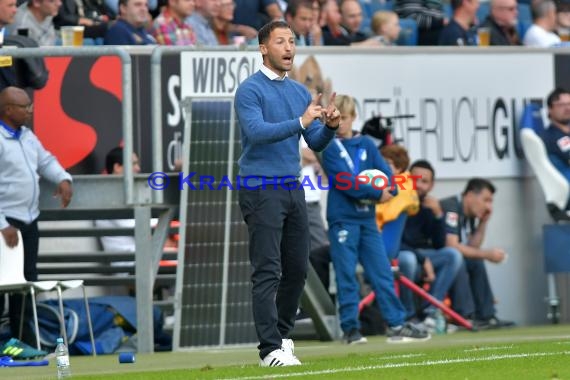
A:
{"x":288,"y":346}
{"x":278,"y":358}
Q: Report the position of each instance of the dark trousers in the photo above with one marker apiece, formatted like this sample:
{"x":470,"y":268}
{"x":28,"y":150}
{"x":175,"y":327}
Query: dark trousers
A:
{"x":279,"y":253}
{"x":30,"y":239}
{"x":471,"y":294}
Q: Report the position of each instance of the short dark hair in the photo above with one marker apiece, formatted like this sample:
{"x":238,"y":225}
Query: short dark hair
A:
{"x":423,"y":164}
{"x":123,"y":2}
{"x":456,"y":4}
{"x":477,"y":185}
{"x":555,"y":95}
{"x":115,"y":156}
{"x":266,"y":30}
{"x":294,"y":5}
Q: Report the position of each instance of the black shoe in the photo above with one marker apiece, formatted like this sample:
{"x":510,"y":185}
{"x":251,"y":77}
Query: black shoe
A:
{"x":354,"y":337}
{"x":407,"y":333}
{"x":493,"y":323}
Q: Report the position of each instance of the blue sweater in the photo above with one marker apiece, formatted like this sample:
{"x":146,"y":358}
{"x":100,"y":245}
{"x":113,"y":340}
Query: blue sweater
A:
{"x":345,"y":201}
{"x":123,"y":33}
{"x":268,"y":113}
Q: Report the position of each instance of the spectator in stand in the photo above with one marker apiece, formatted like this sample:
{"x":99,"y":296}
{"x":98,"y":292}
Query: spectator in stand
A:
{"x":541,"y":33}
{"x":466,"y":219}
{"x":563,"y":14}
{"x":8,"y":11}
{"x":428,"y":14}
{"x":300,"y":16}
{"x":35,"y":17}
{"x":200,"y":20}
{"x":221,"y":23}
{"x":113,"y":7}
{"x":224,"y":28}
{"x":347,"y":32}
{"x":503,"y":23}
{"x":460,"y":31}
{"x":256,"y":13}
{"x":130,"y":27}
{"x":386,"y":27}
{"x":90,"y":14}
{"x":557,"y":136}
{"x":169,"y":27}
{"x":330,"y":25}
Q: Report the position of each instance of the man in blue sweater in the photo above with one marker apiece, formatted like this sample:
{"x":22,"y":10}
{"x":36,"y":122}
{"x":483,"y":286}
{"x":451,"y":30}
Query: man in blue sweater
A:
{"x":354,"y":235}
{"x":273,"y":112}
{"x":129,"y":29}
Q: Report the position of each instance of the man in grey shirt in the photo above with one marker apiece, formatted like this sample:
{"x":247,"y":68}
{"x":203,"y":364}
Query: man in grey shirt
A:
{"x":34,"y":19}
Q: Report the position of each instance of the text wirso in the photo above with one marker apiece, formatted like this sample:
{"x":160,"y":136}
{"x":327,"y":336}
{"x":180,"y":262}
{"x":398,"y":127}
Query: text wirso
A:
{"x":221,"y":75}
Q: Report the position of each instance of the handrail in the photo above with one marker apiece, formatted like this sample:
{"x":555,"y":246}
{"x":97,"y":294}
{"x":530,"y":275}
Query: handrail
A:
{"x":127,"y":103}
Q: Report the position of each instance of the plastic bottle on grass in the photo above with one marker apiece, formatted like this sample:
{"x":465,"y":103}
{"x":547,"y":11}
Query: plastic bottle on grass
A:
{"x":440,"y":323}
{"x":62,"y":360}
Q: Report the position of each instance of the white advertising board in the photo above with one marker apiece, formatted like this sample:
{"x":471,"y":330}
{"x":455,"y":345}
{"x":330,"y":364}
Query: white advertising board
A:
{"x":465,"y":106}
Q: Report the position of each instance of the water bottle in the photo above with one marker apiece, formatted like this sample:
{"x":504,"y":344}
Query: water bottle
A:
{"x":62,"y":360}
{"x":440,"y":323}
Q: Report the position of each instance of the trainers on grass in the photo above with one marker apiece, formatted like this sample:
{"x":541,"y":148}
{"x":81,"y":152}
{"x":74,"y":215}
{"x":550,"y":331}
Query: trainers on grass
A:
{"x":288,"y":346}
{"x":354,"y":337}
{"x":279,"y":358}
{"x":407,"y":333}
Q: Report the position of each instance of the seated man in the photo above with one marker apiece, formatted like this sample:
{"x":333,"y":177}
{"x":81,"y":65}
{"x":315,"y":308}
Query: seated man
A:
{"x":423,"y":242}
{"x":169,"y":28}
{"x":34,"y":19}
{"x":466,"y":219}
{"x":459,"y":31}
{"x":130,"y":27}
{"x":502,"y":21}
{"x":114,"y":165}
{"x":557,"y":137}
{"x":541,"y":33}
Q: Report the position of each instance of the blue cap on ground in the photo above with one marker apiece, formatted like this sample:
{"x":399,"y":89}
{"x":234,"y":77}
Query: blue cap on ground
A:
{"x":127,"y":357}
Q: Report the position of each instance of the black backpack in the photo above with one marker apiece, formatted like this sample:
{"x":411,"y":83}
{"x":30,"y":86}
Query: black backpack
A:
{"x":30,"y":72}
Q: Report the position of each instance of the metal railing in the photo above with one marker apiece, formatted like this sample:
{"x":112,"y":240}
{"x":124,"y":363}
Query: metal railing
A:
{"x":127,"y":102}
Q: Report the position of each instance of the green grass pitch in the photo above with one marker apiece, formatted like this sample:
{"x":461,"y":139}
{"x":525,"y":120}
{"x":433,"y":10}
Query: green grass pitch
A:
{"x":518,"y":353}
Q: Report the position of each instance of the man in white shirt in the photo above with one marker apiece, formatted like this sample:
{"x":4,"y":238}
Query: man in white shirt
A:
{"x":541,"y":33}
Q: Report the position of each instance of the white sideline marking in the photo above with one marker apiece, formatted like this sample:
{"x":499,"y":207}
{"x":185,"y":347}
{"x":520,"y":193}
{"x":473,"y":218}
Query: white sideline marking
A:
{"x":404,"y":356}
{"x":401,"y":365}
{"x":489,"y":348}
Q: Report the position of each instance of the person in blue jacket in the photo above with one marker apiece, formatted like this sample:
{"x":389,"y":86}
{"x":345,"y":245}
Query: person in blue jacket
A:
{"x":353,"y":233}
